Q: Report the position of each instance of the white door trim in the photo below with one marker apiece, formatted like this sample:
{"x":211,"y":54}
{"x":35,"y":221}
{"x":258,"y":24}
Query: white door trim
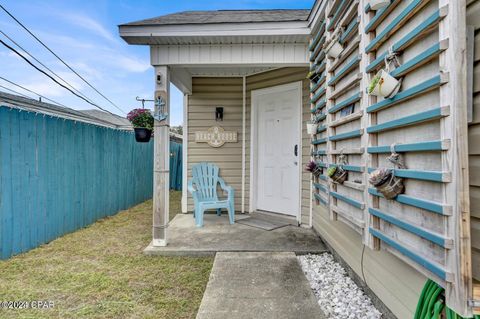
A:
{"x":254,"y":137}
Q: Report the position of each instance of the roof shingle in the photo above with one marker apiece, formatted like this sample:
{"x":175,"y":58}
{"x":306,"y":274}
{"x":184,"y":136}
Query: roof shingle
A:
{"x":226,"y":16}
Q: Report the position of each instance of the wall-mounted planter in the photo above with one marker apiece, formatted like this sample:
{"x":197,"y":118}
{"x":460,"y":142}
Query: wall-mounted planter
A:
{"x":386,"y":183}
{"x":337,"y":174}
{"x":378,"y":4}
{"x":142,"y":135}
{"x":313,"y":168}
{"x":312,"y":128}
{"x":334,"y":48}
{"x":384,"y":85}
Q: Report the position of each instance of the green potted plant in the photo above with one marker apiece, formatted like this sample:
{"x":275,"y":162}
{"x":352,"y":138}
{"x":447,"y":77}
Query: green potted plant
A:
{"x":337,"y":174}
{"x":383,"y":84}
{"x":142,"y":121}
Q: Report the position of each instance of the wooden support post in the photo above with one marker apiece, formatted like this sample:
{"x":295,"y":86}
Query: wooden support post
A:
{"x":456,"y":193}
{"x":161,"y":162}
{"x":368,"y":160}
{"x":330,"y":145}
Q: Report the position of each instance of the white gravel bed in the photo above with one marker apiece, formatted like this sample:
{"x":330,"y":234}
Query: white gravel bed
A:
{"x":338,"y":296}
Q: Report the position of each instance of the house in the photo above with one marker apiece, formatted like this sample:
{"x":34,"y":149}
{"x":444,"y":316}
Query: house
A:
{"x":31,"y":105}
{"x":120,"y":122}
{"x":253,"y":65}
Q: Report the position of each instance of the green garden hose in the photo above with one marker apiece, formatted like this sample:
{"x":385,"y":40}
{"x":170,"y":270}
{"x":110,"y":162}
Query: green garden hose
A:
{"x":432,"y":303}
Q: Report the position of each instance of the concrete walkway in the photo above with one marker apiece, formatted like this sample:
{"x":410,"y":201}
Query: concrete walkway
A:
{"x":258,"y":285}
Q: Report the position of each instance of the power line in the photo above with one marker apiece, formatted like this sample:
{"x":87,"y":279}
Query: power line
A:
{"x":42,"y":64}
{"x":68,"y":66}
{"x":28,"y":90}
{"x":52,"y":78}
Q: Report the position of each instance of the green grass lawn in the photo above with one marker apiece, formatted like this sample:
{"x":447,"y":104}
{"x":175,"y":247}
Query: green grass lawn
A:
{"x":100,"y":272}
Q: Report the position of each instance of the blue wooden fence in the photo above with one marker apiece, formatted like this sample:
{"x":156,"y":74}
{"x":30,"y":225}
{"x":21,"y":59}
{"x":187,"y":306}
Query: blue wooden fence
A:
{"x":175,"y":165}
{"x":58,"y":175}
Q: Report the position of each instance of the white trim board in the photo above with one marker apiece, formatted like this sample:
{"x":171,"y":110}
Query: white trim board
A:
{"x":245,"y":54}
{"x":253,"y":143}
{"x":185,"y":155}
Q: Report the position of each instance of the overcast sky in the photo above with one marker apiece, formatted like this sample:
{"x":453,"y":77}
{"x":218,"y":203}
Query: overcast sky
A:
{"x":84,"y":33}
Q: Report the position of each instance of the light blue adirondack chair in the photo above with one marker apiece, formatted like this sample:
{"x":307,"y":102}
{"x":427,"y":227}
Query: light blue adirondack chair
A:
{"x":203,"y":187}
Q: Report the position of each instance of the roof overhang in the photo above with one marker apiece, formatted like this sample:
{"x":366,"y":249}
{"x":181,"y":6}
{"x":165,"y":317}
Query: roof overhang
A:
{"x":222,"y":49}
{"x":233,"y":33}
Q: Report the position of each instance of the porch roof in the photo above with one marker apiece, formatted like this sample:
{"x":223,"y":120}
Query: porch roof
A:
{"x":225,"y":16}
{"x":219,"y":27}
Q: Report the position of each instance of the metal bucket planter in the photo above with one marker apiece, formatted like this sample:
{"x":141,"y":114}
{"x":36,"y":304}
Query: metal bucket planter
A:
{"x":312,"y":128}
{"x":389,"y":186}
{"x":333,"y":49}
{"x":378,"y":4}
{"x":337,"y":174}
{"x":142,"y":135}
{"x":384,"y":85}
{"x":317,"y":171}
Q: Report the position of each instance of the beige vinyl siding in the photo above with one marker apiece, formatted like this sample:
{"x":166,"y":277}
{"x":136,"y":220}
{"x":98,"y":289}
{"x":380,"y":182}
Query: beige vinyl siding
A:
{"x":209,"y":93}
{"x":274,"y":78}
{"x":473,"y":18}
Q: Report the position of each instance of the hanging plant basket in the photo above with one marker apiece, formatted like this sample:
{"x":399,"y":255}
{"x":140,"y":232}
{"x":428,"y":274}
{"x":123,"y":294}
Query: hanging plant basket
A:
{"x":378,"y":4}
{"x":386,"y":183}
{"x":142,"y":134}
{"x":142,"y":121}
{"x":337,"y":174}
{"x":313,"y":168}
{"x":384,"y":85}
{"x":312,"y":128}
{"x":334,"y":48}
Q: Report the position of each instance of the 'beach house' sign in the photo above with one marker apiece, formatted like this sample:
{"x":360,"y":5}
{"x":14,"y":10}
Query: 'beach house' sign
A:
{"x":215,"y":136}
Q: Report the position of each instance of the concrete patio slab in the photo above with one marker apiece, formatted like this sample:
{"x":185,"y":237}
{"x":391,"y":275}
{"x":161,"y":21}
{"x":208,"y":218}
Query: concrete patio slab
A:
{"x":258,"y":285}
{"x":217,"y":235}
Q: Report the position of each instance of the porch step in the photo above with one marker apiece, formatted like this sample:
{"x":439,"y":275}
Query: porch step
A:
{"x":217,"y":235}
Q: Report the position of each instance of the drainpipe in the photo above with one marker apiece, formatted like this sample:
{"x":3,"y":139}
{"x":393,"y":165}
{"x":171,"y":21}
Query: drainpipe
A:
{"x":185,"y":155}
{"x":243,"y":140}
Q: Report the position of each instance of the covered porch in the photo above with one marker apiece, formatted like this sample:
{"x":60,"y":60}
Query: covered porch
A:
{"x":255,"y":72}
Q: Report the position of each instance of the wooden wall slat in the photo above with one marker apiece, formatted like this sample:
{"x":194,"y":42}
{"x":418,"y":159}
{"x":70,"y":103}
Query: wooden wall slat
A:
{"x":421,"y":119}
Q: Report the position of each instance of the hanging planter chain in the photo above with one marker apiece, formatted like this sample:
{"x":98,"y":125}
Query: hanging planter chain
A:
{"x":389,"y":185}
{"x":392,"y":59}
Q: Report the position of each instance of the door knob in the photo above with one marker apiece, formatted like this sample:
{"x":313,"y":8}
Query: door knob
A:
{"x":295,"y":150}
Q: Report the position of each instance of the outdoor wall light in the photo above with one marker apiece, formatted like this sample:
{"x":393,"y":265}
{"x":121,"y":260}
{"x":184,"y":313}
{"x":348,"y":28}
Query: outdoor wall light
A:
{"x":219,"y":114}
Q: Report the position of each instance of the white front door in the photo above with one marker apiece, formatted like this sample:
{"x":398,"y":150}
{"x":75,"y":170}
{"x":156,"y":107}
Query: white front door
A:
{"x":277,"y":123}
